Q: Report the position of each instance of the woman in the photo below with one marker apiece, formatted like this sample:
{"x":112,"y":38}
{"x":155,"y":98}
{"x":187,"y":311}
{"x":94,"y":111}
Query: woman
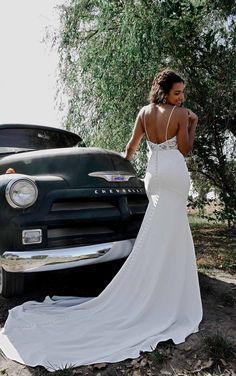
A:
{"x":167,"y":91}
{"x":155,"y":295}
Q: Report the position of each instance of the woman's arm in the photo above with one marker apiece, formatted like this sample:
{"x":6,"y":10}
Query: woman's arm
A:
{"x":193,"y":121}
{"x":187,"y":123}
{"x":136,"y":137}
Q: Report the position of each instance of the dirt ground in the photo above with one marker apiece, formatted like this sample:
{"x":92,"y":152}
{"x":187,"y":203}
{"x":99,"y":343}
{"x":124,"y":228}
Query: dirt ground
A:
{"x":197,"y":356}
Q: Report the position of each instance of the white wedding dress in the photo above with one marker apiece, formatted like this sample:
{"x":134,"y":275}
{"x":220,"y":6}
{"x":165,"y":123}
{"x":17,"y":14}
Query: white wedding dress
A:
{"x":154,"y":297}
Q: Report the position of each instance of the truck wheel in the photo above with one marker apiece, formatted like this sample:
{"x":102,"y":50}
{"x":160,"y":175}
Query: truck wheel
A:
{"x":11,"y":284}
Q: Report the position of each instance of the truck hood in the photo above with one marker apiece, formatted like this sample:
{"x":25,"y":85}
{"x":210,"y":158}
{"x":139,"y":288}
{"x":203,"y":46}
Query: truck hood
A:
{"x":73,"y":165}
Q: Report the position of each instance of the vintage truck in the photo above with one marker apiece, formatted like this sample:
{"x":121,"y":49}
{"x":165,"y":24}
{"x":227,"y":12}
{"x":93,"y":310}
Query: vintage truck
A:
{"x":62,"y":204}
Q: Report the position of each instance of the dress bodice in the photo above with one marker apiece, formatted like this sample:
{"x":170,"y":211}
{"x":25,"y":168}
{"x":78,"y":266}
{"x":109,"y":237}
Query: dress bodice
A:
{"x":166,"y":145}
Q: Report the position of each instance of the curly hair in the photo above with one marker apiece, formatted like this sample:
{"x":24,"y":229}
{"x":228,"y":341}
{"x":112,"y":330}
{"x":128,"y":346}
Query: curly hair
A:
{"x":162,"y":84}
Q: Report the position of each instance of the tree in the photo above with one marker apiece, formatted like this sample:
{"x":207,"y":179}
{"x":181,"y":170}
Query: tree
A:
{"x":110,"y":52}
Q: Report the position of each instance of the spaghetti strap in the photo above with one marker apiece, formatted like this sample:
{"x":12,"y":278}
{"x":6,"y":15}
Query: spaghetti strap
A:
{"x":168,"y":123}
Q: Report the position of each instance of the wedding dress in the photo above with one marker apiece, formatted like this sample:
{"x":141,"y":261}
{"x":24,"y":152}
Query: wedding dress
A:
{"x":154,"y":297}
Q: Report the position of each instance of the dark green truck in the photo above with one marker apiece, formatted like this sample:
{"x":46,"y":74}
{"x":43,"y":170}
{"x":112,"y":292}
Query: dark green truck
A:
{"x":65,"y":205}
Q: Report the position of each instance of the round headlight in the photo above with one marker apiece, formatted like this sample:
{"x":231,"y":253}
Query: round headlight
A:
{"x":21,"y":193}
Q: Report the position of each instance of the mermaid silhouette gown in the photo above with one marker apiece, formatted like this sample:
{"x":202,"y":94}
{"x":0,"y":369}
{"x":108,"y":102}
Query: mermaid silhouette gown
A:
{"x":154,"y":297}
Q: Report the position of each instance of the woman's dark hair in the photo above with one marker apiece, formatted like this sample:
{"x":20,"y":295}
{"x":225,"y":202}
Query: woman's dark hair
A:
{"x":162,"y":84}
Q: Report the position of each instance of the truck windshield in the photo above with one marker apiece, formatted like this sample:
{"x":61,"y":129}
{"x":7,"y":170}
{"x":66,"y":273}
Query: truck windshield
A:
{"x":19,"y":139}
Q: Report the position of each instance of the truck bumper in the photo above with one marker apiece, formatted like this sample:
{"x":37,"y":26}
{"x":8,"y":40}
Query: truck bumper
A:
{"x":64,"y":258}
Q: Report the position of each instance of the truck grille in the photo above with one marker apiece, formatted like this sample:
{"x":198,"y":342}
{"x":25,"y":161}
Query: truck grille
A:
{"x":77,"y":235}
{"x":80,"y":205}
{"x":81,"y":221}
{"x":85,"y":234}
{"x":134,"y":203}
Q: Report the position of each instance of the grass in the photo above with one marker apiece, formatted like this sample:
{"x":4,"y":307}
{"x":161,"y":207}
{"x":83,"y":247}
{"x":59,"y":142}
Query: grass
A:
{"x":215,"y":245}
{"x":67,"y":370}
{"x":219,"y":349}
{"x":159,"y":355}
{"x":197,"y":221}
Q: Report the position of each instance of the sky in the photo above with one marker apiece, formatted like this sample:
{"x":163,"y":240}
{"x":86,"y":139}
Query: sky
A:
{"x":28,"y":66}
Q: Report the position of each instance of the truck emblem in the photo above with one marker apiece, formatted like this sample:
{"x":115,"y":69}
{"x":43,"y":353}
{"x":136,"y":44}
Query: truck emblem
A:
{"x":107,"y":191}
{"x":112,"y":176}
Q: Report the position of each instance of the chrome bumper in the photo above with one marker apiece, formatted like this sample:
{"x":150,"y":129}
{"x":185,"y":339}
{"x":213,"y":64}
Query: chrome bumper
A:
{"x":56,"y":259}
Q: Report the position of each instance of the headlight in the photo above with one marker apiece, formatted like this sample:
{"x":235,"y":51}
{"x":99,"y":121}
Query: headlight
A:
{"x":21,"y":193}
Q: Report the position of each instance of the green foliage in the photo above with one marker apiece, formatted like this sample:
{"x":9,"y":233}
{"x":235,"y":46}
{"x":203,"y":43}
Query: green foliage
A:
{"x":105,"y":49}
{"x":219,"y":349}
{"x":159,"y":356}
{"x":110,"y":52}
{"x":67,"y":370}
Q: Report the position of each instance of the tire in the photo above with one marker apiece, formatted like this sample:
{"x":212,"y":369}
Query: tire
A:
{"x":11,"y":284}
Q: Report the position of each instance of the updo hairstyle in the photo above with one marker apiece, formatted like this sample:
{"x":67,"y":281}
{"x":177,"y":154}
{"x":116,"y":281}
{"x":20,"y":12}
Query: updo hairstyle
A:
{"x":162,"y":84}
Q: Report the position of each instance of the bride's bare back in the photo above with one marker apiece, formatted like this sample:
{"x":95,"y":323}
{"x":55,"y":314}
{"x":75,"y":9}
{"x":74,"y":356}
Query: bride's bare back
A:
{"x":156,"y":120}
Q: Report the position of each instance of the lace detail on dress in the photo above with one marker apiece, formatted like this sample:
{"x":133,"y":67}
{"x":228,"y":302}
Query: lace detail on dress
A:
{"x":166,"y":145}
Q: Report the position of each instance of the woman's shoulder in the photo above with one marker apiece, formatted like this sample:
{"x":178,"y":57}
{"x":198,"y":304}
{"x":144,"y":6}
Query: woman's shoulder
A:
{"x":147,"y":109}
{"x":181,"y":112}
